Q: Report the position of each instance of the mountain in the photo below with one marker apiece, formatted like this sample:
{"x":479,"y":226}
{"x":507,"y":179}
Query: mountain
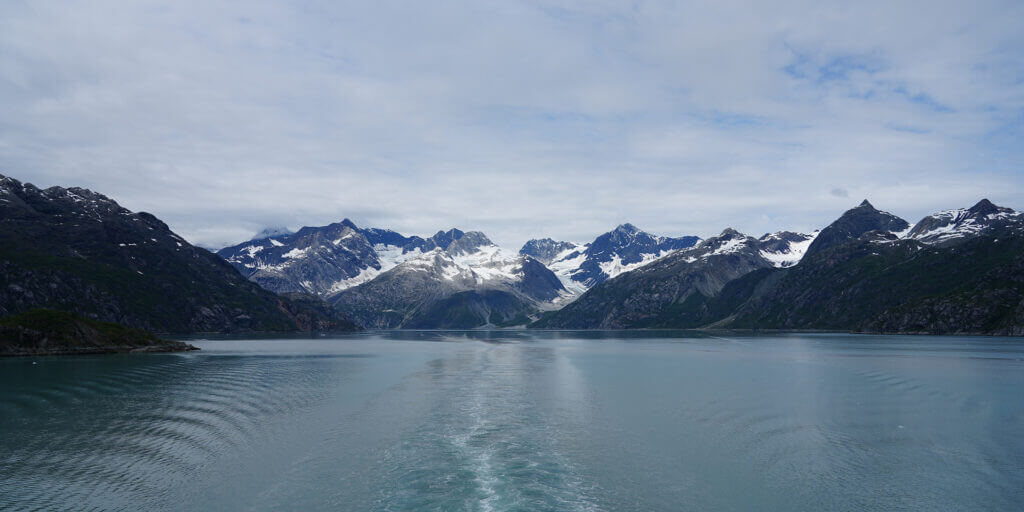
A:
{"x":854,"y":223}
{"x":453,"y":280}
{"x":948,"y":227}
{"x":76,"y":250}
{"x":326,"y":260}
{"x":649,"y":295}
{"x":910,"y":281}
{"x":625,"y":248}
{"x":320,"y":260}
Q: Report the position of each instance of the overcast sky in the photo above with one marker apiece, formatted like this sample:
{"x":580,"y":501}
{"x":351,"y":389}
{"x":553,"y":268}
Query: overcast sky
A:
{"x":520,"y":119}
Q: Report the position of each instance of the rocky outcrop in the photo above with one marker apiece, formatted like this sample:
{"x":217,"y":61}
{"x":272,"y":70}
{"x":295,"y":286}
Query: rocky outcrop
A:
{"x":49,"y":332}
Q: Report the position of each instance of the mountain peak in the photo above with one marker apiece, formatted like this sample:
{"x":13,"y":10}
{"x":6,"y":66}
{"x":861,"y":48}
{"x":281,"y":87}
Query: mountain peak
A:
{"x":854,"y":223}
{"x":627,"y":228}
{"x":451,"y":234}
{"x":984,"y":207}
{"x":544,"y":249}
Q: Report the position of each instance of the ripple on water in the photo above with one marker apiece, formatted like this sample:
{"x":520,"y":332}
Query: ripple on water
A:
{"x":138,"y":428}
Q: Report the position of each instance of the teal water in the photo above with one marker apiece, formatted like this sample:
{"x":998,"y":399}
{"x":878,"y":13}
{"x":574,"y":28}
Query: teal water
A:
{"x":521,"y":421}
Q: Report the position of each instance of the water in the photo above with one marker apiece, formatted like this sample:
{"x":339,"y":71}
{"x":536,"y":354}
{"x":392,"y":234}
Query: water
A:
{"x":521,"y":421}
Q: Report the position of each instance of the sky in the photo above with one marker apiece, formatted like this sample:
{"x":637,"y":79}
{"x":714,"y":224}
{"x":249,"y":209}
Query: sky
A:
{"x":520,"y":119}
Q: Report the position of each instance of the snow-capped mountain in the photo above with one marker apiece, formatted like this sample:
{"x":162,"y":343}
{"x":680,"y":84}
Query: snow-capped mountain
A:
{"x":329,"y":259}
{"x":624,"y":278}
{"x":643,"y":296}
{"x":319,"y":260}
{"x":780,"y":249}
{"x":623,"y":249}
{"x":468,"y":282}
{"x":950,"y":226}
{"x":400,"y":278}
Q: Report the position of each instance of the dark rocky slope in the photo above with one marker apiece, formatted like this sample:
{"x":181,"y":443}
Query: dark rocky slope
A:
{"x":956,"y":272}
{"x":854,"y":223}
{"x":76,"y":250}
{"x":969,"y":281}
{"x":904,"y":286}
{"x":646,"y":297}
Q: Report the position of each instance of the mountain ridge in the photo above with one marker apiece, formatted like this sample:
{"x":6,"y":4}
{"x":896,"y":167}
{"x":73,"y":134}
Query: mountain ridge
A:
{"x":862,"y":277}
{"x":76,"y":250}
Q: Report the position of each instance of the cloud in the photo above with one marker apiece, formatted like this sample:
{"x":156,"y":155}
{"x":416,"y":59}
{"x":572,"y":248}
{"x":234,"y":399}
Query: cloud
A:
{"x":521,"y":119}
{"x":840,"y":192}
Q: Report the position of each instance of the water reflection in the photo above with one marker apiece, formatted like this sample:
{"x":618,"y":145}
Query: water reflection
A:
{"x":521,"y":420}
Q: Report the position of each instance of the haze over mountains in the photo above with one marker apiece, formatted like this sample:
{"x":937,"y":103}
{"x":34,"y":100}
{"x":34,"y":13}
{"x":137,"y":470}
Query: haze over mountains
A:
{"x":955,"y":271}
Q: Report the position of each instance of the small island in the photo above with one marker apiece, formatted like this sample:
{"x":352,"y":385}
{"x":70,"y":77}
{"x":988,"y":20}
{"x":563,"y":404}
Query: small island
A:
{"x":50,"y":332}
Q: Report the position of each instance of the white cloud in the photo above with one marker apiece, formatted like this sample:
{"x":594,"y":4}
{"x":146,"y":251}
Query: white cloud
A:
{"x":521,"y":119}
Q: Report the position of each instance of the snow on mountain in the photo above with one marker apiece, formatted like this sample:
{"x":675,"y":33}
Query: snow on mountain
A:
{"x":786,"y":248}
{"x":951,"y":225}
{"x":626,"y":248}
{"x":463,"y":281}
{"x":319,"y":260}
{"x":485,"y":264}
{"x":331,"y":259}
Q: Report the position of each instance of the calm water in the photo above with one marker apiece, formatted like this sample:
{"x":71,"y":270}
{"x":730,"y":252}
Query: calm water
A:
{"x":521,"y":421}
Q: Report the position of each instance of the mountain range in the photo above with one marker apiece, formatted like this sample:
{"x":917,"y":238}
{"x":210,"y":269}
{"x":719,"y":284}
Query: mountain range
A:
{"x":955,"y":271}
{"x":453,"y":279}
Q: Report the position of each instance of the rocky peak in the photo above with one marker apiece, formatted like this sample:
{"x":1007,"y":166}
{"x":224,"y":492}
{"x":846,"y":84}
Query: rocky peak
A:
{"x":468,"y":242}
{"x":545,"y":249}
{"x":952,"y":226}
{"x":853,"y":224}
{"x":729,"y":233}
{"x":443,"y":239}
{"x":985,"y":207}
